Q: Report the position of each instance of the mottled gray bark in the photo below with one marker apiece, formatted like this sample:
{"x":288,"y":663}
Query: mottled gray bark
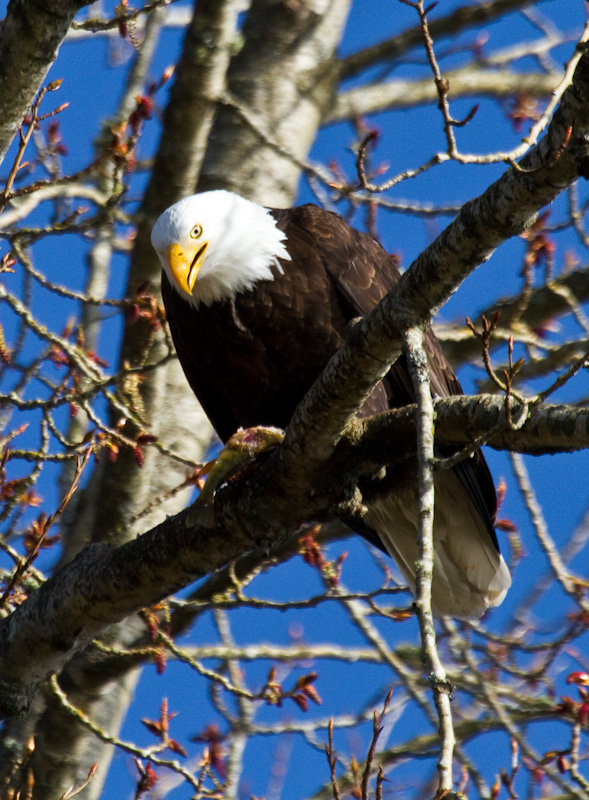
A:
{"x":29,"y":41}
{"x":279,"y":88}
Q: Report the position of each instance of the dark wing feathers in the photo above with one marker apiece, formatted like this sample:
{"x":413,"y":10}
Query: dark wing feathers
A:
{"x":363,"y":273}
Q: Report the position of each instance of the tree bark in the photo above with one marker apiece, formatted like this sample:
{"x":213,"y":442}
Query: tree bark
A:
{"x":118,"y":492}
{"x":30,"y":38}
{"x":279,"y":88}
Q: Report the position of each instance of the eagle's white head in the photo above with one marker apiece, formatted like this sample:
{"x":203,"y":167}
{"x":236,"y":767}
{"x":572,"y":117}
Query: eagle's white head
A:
{"x":216,"y":244}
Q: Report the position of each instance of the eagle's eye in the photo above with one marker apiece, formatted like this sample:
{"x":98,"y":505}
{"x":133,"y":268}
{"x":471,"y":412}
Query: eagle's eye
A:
{"x":196,"y":232}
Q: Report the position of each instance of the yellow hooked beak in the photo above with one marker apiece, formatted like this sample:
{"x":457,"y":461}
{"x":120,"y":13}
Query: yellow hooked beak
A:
{"x":185,"y":263}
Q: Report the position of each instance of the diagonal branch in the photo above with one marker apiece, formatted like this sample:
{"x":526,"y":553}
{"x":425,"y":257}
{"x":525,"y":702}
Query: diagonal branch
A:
{"x":103,"y":585}
{"x":473,"y":81}
{"x":462,"y":419}
{"x":504,"y":210}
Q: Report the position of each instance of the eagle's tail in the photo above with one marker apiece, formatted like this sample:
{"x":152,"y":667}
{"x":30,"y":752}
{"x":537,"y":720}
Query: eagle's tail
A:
{"x":470,"y":574}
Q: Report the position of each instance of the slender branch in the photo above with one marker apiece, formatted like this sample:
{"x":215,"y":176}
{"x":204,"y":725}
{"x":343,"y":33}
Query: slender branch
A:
{"x":142,"y":752}
{"x":473,"y":81}
{"x":451,"y":25}
{"x":419,"y":370}
{"x":559,"y":568}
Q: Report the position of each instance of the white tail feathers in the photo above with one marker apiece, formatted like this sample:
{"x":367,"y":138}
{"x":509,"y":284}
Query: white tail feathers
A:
{"x":469,"y":575}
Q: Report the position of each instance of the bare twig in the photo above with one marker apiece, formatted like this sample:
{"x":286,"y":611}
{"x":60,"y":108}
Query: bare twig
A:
{"x":418,"y":368}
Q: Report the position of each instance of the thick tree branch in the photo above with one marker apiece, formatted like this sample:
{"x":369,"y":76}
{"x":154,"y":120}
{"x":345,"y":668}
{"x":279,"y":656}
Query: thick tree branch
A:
{"x":471,"y":81}
{"x":461,"y":420}
{"x":504,"y":210}
{"x":30,"y":38}
{"x":103,"y":585}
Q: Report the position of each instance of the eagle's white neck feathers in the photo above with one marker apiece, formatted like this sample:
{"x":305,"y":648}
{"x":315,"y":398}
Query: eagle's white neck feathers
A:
{"x":244,"y":243}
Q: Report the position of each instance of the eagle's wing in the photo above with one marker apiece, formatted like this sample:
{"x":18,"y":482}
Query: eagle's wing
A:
{"x":363,"y":273}
{"x":469,"y":573}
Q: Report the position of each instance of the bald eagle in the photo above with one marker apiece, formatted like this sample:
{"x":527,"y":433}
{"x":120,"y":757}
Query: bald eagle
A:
{"x":258,"y":300}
